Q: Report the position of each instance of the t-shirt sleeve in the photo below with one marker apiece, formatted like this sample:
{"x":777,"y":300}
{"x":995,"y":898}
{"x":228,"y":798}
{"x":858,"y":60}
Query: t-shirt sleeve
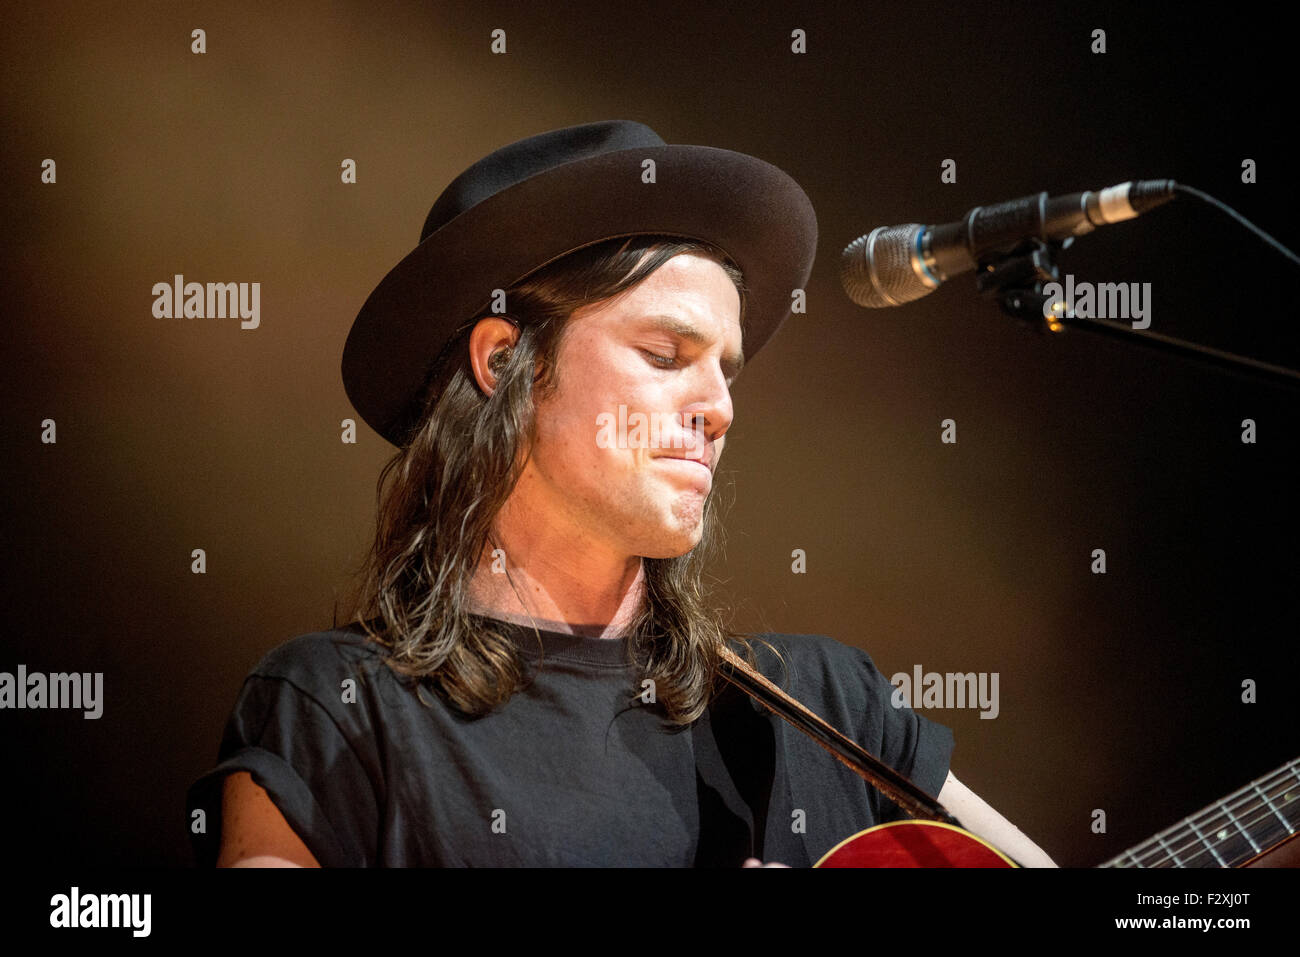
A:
{"x":307,"y":746}
{"x":917,"y":747}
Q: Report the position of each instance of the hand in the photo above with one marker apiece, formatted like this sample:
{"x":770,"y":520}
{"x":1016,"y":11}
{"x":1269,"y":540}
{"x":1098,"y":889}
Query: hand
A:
{"x":755,"y":862}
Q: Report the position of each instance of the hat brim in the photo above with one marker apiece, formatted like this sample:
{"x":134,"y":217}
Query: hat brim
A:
{"x":752,"y":210}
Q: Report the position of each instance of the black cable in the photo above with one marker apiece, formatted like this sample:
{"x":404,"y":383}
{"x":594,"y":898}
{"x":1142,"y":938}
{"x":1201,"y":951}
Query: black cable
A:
{"x":1228,"y":210}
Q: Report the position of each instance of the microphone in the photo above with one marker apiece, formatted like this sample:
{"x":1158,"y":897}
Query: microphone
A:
{"x":892,"y":265}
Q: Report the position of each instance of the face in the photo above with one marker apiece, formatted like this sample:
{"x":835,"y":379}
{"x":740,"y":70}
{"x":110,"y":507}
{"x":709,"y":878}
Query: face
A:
{"x":627,"y":443}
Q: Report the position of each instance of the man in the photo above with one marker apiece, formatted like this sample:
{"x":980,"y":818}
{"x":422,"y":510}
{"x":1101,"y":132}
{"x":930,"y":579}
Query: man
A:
{"x":532,"y":674}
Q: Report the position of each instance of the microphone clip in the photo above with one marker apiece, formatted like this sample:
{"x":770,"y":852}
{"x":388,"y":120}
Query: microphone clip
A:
{"x":1017,"y":276}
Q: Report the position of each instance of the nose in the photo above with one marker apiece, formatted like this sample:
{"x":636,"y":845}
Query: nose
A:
{"x":710,"y":412}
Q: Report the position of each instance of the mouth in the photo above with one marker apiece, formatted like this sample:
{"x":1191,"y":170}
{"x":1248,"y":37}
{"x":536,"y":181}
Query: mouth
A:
{"x":702,"y":461}
{"x":694,"y":469}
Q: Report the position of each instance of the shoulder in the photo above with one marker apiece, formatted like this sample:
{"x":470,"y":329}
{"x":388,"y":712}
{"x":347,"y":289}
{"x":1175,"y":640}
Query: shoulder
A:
{"x":321,"y":650}
{"x":809,"y":656}
{"x":318,"y":690}
{"x":318,"y":664}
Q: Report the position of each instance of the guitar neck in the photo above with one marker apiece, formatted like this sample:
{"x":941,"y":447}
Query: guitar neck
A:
{"x":1228,"y":832}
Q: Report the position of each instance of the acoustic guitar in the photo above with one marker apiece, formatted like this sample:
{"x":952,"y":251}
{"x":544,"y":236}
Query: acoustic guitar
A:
{"x":1240,"y":830}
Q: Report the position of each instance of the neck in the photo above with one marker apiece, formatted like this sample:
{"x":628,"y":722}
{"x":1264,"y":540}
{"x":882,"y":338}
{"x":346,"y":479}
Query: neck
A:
{"x":546,"y":578}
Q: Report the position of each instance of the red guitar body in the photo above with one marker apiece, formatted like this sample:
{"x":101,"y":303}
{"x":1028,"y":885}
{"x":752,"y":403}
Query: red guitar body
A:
{"x":914,"y":844}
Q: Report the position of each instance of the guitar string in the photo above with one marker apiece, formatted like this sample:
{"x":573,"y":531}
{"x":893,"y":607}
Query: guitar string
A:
{"x":1156,"y":856}
{"x":1250,"y":801}
{"x":1266,"y":785}
{"x":1222,"y":809}
{"x":1203,"y":850}
{"x":1203,"y":816}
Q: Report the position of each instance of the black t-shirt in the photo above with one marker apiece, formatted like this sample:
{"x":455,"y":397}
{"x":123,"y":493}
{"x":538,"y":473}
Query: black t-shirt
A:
{"x":370,"y":769}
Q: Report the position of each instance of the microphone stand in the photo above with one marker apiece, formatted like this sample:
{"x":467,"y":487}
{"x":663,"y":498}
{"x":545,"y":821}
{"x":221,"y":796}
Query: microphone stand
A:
{"x":1017,"y":278}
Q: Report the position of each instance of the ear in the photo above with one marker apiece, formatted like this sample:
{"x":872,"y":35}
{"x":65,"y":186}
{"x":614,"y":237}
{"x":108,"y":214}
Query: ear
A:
{"x":489,"y":336}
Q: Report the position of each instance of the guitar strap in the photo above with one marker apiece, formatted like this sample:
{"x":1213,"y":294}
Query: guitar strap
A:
{"x":911,"y":799}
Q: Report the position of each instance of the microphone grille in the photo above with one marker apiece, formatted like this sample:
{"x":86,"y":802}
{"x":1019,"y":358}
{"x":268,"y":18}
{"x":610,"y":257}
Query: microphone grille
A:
{"x":877,"y":269}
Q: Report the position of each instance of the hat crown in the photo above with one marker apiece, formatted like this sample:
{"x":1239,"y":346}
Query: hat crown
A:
{"x":524,"y":158}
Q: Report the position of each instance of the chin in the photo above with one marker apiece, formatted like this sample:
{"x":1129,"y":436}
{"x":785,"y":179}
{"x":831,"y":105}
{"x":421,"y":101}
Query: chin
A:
{"x":676,"y":547}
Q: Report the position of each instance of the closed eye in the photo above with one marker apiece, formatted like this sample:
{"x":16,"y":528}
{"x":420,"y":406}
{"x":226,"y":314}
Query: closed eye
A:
{"x":663,"y":362}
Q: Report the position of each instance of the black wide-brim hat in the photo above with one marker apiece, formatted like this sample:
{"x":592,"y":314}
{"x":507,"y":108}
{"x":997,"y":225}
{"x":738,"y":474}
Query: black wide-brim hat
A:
{"x":536,"y":200}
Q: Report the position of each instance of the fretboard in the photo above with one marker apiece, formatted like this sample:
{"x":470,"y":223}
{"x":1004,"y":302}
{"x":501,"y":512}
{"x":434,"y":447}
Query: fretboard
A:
{"x":1228,"y":832}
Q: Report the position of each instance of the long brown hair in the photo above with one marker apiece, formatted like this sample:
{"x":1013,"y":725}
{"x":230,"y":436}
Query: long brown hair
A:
{"x":456,"y":470}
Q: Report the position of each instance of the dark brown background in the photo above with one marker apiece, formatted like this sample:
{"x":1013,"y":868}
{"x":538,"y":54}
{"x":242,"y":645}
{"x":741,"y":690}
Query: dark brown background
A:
{"x":1118,"y":692}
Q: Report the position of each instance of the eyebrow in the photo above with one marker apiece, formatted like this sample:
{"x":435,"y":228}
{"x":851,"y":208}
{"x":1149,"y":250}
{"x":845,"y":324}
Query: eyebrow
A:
{"x":731,"y":363}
